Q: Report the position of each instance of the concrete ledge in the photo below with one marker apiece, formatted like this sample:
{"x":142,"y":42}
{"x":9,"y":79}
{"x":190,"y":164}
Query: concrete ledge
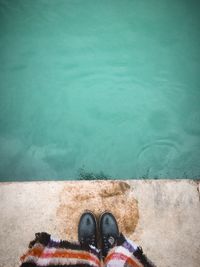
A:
{"x":163,"y":216}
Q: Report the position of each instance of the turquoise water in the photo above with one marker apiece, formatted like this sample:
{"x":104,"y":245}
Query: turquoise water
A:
{"x":99,"y":89}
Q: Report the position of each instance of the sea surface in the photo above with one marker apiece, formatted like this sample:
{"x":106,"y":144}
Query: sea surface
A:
{"x":99,"y":89}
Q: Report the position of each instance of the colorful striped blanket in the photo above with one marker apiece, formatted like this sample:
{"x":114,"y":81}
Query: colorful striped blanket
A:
{"x":45,"y":251}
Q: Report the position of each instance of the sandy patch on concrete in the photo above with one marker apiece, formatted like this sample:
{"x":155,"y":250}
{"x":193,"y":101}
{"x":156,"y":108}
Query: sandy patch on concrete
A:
{"x":97,"y":196}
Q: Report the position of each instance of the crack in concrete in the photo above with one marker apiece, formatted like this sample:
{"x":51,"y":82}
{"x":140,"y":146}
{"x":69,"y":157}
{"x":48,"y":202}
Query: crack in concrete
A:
{"x":198,"y":189}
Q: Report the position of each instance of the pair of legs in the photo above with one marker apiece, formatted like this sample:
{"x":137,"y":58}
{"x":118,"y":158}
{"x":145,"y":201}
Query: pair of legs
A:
{"x":111,"y":249}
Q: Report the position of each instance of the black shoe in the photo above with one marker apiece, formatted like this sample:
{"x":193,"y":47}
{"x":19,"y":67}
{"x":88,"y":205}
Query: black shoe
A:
{"x":109,"y":232}
{"x":87,"y":230}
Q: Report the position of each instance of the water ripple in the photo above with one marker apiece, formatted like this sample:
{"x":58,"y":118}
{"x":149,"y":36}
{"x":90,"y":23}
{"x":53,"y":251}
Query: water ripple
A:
{"x":155,"y":158}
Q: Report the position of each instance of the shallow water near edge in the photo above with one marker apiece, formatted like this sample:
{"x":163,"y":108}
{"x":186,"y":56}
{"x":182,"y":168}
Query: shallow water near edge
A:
{"x":99,"y":89}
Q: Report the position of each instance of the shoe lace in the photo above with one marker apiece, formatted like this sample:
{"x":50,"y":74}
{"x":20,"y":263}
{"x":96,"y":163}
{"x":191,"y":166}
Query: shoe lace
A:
{"x":108,"y":242}
{"x":91,"y":240}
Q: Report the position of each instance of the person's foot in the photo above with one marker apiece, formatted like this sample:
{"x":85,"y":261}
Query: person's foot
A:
{"x":87,"y":230}
{"x":109,"y":232}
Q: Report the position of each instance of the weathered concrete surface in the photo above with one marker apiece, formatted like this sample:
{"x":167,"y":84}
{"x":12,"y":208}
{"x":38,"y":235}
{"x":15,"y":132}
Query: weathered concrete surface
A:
{"x":97,"y":197}
{"x":161,"y":215}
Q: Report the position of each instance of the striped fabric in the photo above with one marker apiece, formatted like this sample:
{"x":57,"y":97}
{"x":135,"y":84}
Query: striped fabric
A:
{"x":47,"y":251}
{"x":121,"y":257}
